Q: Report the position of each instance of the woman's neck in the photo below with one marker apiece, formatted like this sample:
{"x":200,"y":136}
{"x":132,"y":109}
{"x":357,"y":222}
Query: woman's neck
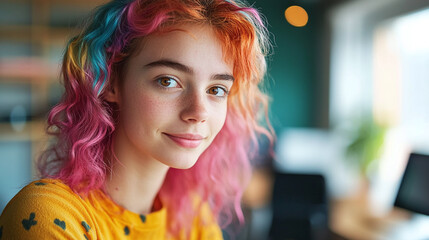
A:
{"x":134,"y":182}
{"x":134,"y":192}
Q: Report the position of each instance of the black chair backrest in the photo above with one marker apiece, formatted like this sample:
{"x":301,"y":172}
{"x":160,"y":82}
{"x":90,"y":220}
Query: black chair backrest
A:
{"x":302,"y":188}
{"x":300,"y":207}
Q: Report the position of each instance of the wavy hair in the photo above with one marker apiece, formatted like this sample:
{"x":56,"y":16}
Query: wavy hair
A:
{"x":83,"y":121}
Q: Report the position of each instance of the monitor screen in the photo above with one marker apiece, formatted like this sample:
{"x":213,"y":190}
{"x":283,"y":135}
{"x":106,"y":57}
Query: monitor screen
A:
{"x":413,"y":193}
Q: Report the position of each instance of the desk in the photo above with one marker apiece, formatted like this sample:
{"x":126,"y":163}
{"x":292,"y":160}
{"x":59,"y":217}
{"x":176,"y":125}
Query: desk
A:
{"x":352,"y":219}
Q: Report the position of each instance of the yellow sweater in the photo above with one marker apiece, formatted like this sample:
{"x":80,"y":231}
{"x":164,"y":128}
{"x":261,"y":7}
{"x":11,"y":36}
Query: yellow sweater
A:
{"x":49,"y":209}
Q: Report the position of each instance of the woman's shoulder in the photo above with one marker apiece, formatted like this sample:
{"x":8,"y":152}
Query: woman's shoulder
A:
{"x":44,"y":192}
{"x":45,"y":185}
{"x":46,"y":208}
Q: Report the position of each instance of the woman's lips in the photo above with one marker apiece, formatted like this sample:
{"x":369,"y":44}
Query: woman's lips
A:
{"x":186,"y":140}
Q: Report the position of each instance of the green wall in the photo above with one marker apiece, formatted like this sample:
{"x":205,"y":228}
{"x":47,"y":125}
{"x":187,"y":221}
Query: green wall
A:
{"x":293,"y":68}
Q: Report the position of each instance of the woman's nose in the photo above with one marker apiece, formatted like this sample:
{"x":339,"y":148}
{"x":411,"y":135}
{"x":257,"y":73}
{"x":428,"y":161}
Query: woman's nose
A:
{"x":195,"y":108}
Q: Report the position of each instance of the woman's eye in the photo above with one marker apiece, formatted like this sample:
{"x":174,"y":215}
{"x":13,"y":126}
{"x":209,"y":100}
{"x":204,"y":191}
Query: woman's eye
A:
{"x":167,"y":82}
{"x":218,"y":91}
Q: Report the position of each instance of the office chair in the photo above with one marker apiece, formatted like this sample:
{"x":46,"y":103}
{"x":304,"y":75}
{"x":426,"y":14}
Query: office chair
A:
{"x":300,"y":207}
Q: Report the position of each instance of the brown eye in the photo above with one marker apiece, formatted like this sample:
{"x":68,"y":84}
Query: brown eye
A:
{"x":217,"y":91}
{"x":167,"y":82}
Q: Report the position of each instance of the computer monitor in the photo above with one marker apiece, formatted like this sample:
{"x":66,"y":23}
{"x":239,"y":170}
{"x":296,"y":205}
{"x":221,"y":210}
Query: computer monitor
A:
{"x":413,"y":193}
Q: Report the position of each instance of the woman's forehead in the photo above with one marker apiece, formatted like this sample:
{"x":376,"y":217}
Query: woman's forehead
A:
{"x":184,"y":44}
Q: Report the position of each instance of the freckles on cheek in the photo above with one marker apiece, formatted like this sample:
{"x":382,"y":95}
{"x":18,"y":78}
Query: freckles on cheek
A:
{"x":154,"y":108}
{"x":219,"y":119}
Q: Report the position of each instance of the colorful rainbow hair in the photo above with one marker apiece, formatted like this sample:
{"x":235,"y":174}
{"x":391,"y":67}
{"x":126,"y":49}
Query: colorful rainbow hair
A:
{"x":83,"y":122}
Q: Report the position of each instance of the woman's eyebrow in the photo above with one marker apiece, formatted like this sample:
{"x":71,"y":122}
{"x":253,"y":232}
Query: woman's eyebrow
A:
{"x":183,"y":68}
{"x":170,"y":64}
{"x":227,"y":77}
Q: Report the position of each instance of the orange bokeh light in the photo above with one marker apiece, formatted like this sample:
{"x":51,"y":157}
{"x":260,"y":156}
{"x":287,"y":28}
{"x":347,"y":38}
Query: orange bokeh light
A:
{"x":296,"y":16}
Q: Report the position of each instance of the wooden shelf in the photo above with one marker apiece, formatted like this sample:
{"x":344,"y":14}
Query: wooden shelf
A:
{"x":32,"y":131}
{"x":33,"y":45}
{"x":33,"y":37}
{"x":26,"y":32}
{"x":80,"y":3}
{"x":28,"y":69}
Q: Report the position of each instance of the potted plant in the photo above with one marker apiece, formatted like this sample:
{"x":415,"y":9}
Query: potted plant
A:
{"x":366,"y":145}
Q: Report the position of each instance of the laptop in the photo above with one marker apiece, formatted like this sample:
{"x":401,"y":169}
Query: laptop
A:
{"x":413,"y":193}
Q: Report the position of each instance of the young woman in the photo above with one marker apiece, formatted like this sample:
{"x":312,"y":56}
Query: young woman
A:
{"x":155,"y":128}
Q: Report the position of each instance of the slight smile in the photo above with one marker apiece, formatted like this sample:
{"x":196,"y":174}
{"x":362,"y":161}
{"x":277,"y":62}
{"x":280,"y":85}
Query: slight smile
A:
{"x":186,"y":140}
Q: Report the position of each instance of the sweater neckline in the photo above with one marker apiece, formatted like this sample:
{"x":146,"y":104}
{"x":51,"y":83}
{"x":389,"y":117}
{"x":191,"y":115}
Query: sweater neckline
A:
{"x":102,"y":202}
{"x":154,"y":219}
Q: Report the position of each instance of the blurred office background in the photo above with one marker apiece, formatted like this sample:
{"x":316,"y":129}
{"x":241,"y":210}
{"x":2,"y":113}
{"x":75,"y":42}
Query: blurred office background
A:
{"x":349,"y":87}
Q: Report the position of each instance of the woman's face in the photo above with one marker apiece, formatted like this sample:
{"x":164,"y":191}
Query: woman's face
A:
{"x":172,"y":98}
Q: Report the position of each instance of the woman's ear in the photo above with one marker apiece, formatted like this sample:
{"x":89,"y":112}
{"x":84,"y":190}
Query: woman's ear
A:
{"x":112,"y":93}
